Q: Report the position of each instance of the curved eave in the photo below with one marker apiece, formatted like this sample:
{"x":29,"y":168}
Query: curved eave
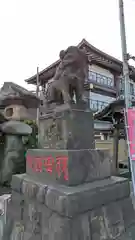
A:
{"x":107,"y":113}
{"x":95,"y":55}
{"x":45,"y":74}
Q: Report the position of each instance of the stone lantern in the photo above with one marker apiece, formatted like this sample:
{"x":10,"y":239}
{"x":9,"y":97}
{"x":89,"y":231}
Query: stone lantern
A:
{"x":16,"y":102}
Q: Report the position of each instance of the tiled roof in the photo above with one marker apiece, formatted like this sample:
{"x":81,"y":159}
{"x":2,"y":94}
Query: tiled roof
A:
{"x":11,"y":91}
{"x":94,"y":55}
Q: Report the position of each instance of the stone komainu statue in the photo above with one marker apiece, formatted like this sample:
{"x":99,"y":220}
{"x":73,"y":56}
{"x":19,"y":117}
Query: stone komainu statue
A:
{"x":69,"y":77}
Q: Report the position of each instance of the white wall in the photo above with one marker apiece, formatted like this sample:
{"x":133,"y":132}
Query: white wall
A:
{"x":100,"y":70}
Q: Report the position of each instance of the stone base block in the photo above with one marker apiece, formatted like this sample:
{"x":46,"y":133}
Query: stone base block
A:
{"x":94,"y":211}
{"x":4,"y":202}
{"x":69,"y":167}
{"x":67,"y":129}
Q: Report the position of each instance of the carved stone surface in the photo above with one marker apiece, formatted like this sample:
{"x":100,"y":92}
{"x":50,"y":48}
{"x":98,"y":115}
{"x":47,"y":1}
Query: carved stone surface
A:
{"x":68,"y":167}
{"x":70,"y":201}
{"x":72,"y":213}
{"x":14,"y":102}
{"x":17,"y":112}
{"x":69,"y":77}
{"x":67,"y":130}
{"x":14,"y":159}
{"x":4,"y":224}
{"x":129,"y":234}
{"x":16,"y":128}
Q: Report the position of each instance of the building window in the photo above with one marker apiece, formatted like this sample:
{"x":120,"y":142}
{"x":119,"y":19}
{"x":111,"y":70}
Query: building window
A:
{"x":100,"y":79}
{"x":131,"y":88}
{"x":100,"y":97}
{"x":98,"y":102}
{"x":92,"y":76}
{"x":110,"y":82}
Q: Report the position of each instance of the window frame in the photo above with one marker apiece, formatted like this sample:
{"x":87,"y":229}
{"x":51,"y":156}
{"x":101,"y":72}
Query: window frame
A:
{"x":100,"y":79}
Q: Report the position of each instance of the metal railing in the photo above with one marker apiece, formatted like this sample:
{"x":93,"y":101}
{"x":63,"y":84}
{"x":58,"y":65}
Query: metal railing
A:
{"x":131,"y":96}
{"x":96,"y":105}
{"x":100,"y":79}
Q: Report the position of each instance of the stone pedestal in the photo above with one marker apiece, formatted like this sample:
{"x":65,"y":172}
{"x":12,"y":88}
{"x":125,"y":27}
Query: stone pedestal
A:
{"x":67,"y":192}
{"x":65,"y":130}
{"x":93,"y":211}
{"x":68,"y":167}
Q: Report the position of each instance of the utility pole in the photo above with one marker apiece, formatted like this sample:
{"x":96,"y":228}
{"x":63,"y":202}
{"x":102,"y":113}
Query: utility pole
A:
{"x":126,"y":57}
{"x":124,"y":53}
{"x":37,"y":93}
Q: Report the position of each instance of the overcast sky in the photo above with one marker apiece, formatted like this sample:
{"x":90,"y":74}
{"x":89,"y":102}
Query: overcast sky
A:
{"x":32,"y":32}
